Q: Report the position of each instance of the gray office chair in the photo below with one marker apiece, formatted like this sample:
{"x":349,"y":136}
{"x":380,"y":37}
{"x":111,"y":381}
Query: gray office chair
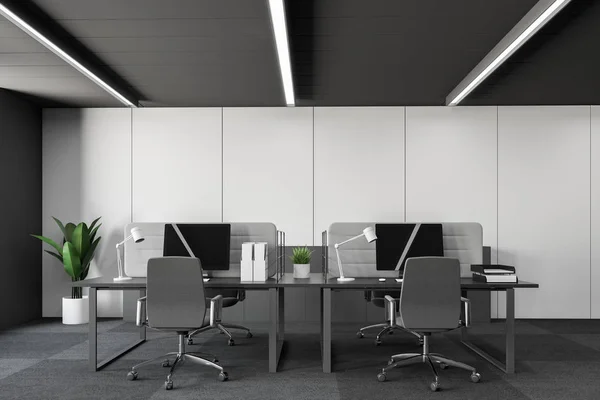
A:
{"x":175,"y":301}
{"x":230,"y":298}
{"x":377,"y":298}
{"x":430,"y":302}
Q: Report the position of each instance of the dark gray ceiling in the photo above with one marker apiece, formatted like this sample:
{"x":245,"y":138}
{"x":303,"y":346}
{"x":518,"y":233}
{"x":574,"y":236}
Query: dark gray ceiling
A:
{"x":344,"y":52}
{"x":559,"y":65}
{"x":377,"y":52}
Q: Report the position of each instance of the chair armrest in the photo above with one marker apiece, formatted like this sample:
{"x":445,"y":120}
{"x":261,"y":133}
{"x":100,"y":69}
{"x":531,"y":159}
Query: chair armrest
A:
{"x":140,"y":317}
{"x":391,"y":309}
{"x":467,"y":304}
{"x":216,"y":306}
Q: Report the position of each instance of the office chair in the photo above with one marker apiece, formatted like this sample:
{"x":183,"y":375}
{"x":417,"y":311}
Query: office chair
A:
{"x":377,"y":298}
{"x":175,"y":301}
{"x":430,"y":302}
{"x":230,"y":298}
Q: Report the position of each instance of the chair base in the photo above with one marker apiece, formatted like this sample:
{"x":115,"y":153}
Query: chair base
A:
{"x":224,"y":328}
{"x":402,"y":360}
{"x":385,"y":327}
{"x":181,"y":356}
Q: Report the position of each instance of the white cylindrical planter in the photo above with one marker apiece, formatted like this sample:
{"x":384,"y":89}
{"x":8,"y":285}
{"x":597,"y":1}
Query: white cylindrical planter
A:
{"x":75,"y":311}
{"x":301,"y":271}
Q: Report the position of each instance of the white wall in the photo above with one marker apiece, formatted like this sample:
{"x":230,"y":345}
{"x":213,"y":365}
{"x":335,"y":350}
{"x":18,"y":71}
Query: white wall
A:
{"x":544,"y":207}
{"x":359,"y":165}
{"x":268,"y":169}
{"x":523,"y":172}
{"x":87,"y":173}
{"x":451,"y":168}
{"x":595,"y":210}
{"x":177,"y":165}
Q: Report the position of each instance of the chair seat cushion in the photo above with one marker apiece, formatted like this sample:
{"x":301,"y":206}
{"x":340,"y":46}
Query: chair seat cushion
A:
{"x":206,"y":322}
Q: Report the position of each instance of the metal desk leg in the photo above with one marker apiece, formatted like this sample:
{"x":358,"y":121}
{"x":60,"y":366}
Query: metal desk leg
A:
{"x":510,"y":331}
{"x":281,"y":308}
{"x":93,"y":329}
{"x":326,"y":329}
{"x":143,"y":327}
{"x":509,"y":365}
{"x":275,"y":324}
{"x":93,"y":335}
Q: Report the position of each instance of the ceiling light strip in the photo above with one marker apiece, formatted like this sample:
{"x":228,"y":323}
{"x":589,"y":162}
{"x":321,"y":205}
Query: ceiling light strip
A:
{"x":31,"y":31}
{"x":528,"y":30}
{"x":278,"y":20}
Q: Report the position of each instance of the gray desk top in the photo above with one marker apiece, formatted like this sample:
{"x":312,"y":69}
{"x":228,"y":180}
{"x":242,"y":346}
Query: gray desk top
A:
{"x":287,"y":280}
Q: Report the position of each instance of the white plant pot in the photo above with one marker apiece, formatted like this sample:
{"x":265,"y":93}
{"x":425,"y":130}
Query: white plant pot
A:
{"x":75,"y":311}
{"x":301,"y":271}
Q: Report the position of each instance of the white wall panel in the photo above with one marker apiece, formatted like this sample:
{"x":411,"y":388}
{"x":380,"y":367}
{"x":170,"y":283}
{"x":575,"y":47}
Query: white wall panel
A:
{"x":267,"y":169}
{"x":451,"y":168}
{"x":87,"y":173}
{"x":595,"y":218}
{"x":544,"y":207}
{"x":177,"y":164}
{"x":359,"y":165}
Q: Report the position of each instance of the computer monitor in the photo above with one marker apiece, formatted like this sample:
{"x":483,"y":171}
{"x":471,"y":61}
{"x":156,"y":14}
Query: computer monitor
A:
{"x":397,"y":242}
{"x":209,"y":242}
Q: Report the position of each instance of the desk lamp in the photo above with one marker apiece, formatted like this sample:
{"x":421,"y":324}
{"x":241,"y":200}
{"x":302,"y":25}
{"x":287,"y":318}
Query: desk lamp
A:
{"x":369,"y":234}
{"x":137,"y":236}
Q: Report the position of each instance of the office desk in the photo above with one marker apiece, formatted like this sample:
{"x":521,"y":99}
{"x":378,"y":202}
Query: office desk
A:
{"x":467,"y":284}
{"x":276,"y":315}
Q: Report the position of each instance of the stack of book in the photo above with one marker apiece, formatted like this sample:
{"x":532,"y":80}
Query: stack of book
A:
{"x":494,"y":273}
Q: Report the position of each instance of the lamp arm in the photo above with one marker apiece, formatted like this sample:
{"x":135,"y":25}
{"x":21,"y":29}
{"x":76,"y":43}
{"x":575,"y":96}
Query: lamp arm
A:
{"x":349,"y":240}
{"x":123,"y":242}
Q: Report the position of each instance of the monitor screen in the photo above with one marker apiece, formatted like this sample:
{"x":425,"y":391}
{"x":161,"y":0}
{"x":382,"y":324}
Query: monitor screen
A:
{"x":208,"y":242}
{"x":397,"y":242}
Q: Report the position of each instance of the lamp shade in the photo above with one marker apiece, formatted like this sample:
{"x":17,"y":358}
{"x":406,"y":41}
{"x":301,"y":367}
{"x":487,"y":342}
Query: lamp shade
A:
{"x":369,"y":233}
{"x":137,"y":235}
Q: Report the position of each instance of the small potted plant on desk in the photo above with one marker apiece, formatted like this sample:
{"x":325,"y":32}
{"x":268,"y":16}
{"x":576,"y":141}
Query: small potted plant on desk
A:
{"x":301,"y":260}
{"x":76,"y":253}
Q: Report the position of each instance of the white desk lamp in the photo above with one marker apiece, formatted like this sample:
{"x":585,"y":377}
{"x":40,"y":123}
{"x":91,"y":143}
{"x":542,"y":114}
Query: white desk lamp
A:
{"x":137,"y":236}
{"x":369,"y":234}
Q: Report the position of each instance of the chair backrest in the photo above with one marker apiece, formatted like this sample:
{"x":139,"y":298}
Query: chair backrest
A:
{"x":175,"y":293}
{"x":430,"y":297}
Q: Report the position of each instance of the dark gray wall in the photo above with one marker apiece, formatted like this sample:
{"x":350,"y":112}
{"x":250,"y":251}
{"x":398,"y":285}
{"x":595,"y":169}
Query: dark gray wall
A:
{"x":21,"y":210}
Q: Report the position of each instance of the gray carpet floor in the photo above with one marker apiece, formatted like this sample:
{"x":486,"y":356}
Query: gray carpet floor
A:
{"x":556,"y":359}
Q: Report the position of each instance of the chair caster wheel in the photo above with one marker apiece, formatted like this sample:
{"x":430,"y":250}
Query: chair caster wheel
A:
{"x":390,"y":361}
{"x":443,"y":366}
{"x":132,"y":376}
{"x":249,"y":335}
{"x":223,"y":376}
{"x":166,"y":364}
{"x":360,"y":335}
{"x":381,"y":377}
{"x":434,"y":386}
{"x":215,"y":361}
{"x":377,"y":342}
{"x":475,"y":377}
{"x":190,"y":341}
{"x":168,"y":385}
{"x":230,"y":342}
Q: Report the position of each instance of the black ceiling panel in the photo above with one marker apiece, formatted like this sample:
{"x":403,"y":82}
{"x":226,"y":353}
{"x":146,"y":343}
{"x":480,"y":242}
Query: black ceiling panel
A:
{"x":181,"y":52}
{"x":560,"y":65}
{"x":344,"y":52}
{"x":378,"y":52}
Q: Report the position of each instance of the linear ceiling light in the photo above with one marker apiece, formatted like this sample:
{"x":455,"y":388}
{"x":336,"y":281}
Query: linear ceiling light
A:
{"x":31,"y":31}
{"x":277,"y":9}
{"x":527,"y":29}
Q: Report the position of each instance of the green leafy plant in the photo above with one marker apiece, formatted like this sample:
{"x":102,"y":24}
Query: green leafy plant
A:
{"x":301,"y":255}
{"x":77,"y":250}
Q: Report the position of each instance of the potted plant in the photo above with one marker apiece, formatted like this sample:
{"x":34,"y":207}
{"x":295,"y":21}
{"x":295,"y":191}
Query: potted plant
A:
{"x":76,"y":253}
{"x":301,"y":259}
